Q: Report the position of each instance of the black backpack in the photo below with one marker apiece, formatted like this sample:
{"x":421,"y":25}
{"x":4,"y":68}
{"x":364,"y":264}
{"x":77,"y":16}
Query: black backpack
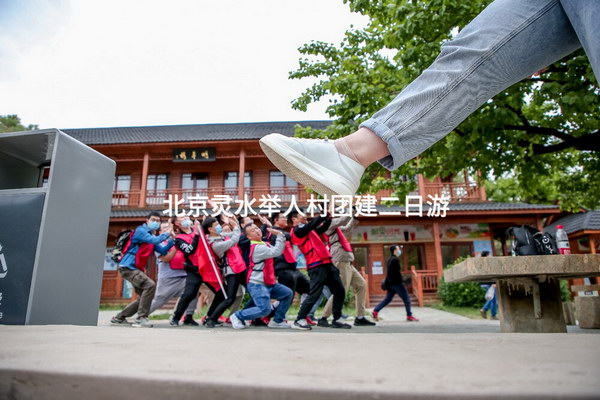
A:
{"x":121,"y":242}
{"x":528,"y":241}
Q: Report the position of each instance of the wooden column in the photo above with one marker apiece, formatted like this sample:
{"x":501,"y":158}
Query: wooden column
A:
{"x":592,"y":244}
{"x":421,"y":181}
{"x":438,"y":249}
{"x":242,"y":173}
{"x":144,"y":183}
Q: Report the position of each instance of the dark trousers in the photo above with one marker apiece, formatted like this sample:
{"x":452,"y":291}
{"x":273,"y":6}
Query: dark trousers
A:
{"x":294,"y":280}
{"x":400,"y":290}
{"x":325,"y":274}
{"x":193,"y":281}
{"x":220,"y":304}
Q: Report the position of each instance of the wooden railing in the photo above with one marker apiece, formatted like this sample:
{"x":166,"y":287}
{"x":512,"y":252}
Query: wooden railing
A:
{"x":423,"y":281}
{"x":456,"y":191}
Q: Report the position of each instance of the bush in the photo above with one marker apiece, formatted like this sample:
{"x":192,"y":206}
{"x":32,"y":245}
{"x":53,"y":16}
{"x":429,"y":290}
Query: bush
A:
{"x":467,"y":294}
{"x":565,"y":293}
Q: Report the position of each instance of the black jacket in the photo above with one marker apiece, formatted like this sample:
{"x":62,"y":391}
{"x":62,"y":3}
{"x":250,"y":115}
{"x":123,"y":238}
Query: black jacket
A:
{"x":393,"y":271}
{"x":280,"y":263}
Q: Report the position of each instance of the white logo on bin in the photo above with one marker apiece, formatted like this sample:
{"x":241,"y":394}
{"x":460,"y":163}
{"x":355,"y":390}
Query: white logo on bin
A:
{"x":3,"y":267}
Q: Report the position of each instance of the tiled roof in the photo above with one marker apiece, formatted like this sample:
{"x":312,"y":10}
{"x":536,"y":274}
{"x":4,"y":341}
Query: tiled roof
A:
{"x":187,"y":133}
{"x":453,"y":207}
{"x":587,"y":221}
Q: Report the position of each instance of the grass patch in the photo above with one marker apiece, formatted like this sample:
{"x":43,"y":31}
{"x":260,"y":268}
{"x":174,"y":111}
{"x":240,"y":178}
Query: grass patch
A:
{"x":469,"y":312}
{"x":112,"y":307}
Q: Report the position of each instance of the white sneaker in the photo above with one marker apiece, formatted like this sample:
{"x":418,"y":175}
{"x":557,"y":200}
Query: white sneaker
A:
{"x":278,"y":325}
{"x":236,"y":323}
{"x":302,"y":325}
{"x":142,"y":323}
{"x":315,"y":163}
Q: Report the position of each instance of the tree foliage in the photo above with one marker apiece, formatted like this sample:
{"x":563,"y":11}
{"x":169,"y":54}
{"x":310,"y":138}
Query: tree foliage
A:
{"x":12,"y":123}
{"x":537,"y":141}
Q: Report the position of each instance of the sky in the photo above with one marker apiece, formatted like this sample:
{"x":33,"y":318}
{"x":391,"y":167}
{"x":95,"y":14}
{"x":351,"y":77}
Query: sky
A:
{"x":97,"y":63}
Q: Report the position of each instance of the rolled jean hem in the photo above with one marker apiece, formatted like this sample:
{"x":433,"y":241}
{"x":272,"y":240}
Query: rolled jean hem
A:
{"x":397,"y":156}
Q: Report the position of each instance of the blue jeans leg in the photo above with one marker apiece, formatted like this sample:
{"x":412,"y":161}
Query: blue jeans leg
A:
{"x":509,"y":41}
{"x":285,"y":296}
{"x":584,"y":16}
{"x":388,"y":298}
{"x":324,"y":295}
{"x":401,"y":290}
{"x":261,"y":297}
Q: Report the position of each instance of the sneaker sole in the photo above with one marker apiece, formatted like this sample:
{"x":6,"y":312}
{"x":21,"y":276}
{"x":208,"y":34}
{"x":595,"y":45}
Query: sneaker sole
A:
{"x":300,"y":328}
{"x":269,"y":145}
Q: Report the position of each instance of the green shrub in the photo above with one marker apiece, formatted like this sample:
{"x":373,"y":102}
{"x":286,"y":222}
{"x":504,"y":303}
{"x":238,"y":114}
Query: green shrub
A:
{"x":565,"y":293}
{"x":467,"y":294}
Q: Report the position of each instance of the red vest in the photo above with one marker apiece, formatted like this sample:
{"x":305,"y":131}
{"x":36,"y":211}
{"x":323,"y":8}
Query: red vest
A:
{"x":200,"y":259}
{"x":143,"y":254}
{"x":288,"y":251}
{"x":268,"y":269}
{"x":235,"y":259}
{"x":341,"y":239}
{"x":313,"y":248}
{"x":178,"y":260}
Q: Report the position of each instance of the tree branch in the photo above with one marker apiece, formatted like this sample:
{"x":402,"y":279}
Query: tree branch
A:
{"x":588,"y":142}
{"x":538,"y":130}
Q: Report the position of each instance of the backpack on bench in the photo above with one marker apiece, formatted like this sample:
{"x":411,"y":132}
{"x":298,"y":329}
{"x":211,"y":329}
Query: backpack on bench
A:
{"x":528,"y":241}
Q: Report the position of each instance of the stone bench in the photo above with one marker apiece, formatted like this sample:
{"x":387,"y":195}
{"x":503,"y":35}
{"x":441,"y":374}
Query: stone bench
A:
{"x":528,"y":287}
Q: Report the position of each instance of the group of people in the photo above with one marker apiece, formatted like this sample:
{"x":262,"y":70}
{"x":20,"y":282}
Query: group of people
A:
{"x":231,"y":257}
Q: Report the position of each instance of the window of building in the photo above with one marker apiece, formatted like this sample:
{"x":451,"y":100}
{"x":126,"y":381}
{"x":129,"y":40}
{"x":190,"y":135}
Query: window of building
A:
{"x":412,"y":254}
{"x":452,"y":252}
{"x":282,"y":186}
{"x":156,"y":186}
{"x":278,"y":179}
{"x":361,"y":257}
{"x":231,"y":183}
{"x":194,"y":184}
{"x":122,"y":183}
{"x":121,"y":187}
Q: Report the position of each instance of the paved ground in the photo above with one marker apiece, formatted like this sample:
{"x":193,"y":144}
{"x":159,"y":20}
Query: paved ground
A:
{"x":443,"y":356}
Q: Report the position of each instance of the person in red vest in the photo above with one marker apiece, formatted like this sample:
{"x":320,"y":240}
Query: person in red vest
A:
{"x":132,"y":268}
{"x":321,"y":271}
{"x":285,"y":264}
{"x":192,"y":255}
{"x":261,"y":283}
{"x":343,"y":257}
{"x":229,"y":259}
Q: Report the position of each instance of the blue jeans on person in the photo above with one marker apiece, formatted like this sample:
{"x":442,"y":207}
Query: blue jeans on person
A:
{"x":324,"y":296}
{"x":491,"y":305}
{"x":400,"y":290}
{"x":260,"y":306}
{"x":509,"y":41}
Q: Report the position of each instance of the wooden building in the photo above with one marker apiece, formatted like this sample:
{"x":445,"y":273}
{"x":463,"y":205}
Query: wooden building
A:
{"x":156,"y":162}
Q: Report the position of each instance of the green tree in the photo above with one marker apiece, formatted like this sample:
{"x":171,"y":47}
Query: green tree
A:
{"x":12,"y":123}
{"x":539,"y":139}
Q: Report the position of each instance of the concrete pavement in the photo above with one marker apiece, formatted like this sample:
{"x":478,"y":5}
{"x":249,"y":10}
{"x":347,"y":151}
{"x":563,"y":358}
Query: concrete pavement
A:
{"x":443,"y":356}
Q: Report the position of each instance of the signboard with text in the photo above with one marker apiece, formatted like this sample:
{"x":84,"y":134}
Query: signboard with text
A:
{"x":198,"y":154}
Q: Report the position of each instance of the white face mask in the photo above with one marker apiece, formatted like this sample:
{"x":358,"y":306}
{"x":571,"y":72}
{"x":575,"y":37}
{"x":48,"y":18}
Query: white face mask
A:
{"x":186,"y":223}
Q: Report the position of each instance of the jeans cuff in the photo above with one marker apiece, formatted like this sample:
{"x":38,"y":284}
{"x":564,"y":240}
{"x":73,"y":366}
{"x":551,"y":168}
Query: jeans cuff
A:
{"x":397,"y":155}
